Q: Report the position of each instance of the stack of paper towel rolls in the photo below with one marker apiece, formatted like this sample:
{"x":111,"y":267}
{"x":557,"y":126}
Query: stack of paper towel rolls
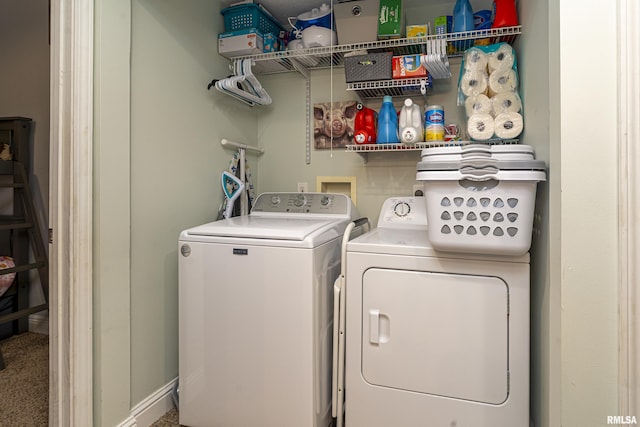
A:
{"x":489,"y":89}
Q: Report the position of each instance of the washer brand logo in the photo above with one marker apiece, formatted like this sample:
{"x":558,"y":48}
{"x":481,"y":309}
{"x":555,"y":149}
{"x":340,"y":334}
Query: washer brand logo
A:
{"x":622,"y":420}
{"x":237,"y":251}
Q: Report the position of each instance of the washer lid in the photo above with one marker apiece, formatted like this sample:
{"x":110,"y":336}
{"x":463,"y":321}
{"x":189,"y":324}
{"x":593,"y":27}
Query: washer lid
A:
{"x":273,"y":228}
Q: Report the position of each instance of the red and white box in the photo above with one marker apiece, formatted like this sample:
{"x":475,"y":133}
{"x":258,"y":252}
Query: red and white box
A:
{"x":408,"y":66}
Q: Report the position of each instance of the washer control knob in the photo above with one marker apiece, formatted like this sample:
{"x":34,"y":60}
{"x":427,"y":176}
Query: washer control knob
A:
{"x":325,"y":200}
{"x":275,"y":200}
{"x":299,"y":200}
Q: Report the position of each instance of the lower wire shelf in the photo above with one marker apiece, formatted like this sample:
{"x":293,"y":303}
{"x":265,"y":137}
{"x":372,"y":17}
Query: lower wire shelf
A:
{"x":365,"y":149}
{"x":372,"y":148}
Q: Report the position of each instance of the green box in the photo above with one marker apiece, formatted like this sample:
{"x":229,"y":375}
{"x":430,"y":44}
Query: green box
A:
{"x":390,"y":19}
{"x":443,"y":24}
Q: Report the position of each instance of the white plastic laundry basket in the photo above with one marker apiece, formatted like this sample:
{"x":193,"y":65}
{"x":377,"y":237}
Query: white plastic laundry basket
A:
{"x":481,"y":209}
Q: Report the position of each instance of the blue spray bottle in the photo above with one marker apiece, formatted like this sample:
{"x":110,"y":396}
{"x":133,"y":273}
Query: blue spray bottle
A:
{"x":387,"y":123}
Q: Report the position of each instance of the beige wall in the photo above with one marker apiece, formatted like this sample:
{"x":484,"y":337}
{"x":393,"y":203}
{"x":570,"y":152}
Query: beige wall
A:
{"x":173,"y":182}
{"x":176,"y":162}
{"x":282,"y":133}
{"x":536,"y":50}
{"x":112,"y":213}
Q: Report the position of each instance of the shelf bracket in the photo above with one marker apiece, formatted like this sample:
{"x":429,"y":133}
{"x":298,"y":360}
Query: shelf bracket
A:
{"x":300,"y":68}
{"x":307,"y":75}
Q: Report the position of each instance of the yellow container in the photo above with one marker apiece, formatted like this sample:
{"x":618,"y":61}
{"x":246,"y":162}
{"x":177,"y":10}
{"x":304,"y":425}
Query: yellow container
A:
{"x":434,"y":123}
{"x":418,"y":30}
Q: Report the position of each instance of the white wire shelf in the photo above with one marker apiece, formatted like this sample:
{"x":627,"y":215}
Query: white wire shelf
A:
{"x":365,"y":149}
{"x":333,"y":56}
{"x":380,"y":88}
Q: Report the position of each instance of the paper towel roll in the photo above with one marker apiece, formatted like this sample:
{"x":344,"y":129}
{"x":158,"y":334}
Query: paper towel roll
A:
{"x":480,"y":127}
{"x":478,"y":104}
{"x":503,"y":81}
{"x":475,"y":59}
{"x":473,"y":83}
{"x":502,"y":59}
{"x":508,"y":125}
{"x":506,"y":102}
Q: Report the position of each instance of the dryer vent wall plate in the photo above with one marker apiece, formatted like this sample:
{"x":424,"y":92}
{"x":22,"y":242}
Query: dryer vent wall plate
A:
{"x":337,"y":184}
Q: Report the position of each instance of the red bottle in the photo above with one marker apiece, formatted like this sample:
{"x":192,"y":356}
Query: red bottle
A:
{"x":504,"y":14}
{"x":364,"y":125}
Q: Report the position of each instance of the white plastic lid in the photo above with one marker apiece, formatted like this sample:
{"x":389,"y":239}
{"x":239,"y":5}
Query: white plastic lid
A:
{"x":498,"y":152}
{"x":482,"y":162}
{"x":481,"y":175}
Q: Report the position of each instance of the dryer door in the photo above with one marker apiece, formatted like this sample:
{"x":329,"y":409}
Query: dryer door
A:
{"x":435,"y":333}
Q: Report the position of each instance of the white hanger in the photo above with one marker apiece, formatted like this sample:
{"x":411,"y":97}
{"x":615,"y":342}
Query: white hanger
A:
{"x":435,"y":60}
{"x":244,"y":85}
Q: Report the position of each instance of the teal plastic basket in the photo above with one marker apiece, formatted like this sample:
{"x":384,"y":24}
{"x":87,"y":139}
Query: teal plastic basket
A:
{"x":245,"y":16}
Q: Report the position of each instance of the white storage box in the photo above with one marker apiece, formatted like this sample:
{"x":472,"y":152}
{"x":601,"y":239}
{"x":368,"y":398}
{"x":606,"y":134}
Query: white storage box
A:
{"x":477,"y":207}
{"x":357,"y":21}
{"x":241,"y":42}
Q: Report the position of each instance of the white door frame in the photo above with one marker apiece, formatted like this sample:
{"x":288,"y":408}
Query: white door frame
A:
{"x":71,"y":171}
{"x":629,"y":196}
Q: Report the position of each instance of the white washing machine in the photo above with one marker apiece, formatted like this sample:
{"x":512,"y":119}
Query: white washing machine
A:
{"x":255,"y":313}
{"x":433,"y":339}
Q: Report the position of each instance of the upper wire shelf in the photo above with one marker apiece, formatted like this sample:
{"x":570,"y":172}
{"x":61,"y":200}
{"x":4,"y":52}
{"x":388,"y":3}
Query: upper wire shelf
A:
{"x":333,"y":56}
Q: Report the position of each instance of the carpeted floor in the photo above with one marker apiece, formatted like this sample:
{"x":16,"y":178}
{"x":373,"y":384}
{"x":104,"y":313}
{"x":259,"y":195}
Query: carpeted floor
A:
{"x":170,"y":419}
{"x":24,"y":383}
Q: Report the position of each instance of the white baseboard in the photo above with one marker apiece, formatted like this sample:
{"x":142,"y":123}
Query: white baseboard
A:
{"x":39,"y":323}
{"x":152,"y":408}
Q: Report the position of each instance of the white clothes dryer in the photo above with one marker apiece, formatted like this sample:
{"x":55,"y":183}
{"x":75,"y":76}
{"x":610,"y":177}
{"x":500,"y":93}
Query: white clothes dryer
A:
{"x":432,"y":339}
{"x":255,"y":313}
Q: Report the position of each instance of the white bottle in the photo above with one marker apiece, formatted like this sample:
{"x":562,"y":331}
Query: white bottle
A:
{"x":410,"y":125}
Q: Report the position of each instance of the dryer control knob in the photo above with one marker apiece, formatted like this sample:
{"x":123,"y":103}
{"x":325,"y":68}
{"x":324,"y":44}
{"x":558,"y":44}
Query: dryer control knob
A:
{"x":402,"y":209}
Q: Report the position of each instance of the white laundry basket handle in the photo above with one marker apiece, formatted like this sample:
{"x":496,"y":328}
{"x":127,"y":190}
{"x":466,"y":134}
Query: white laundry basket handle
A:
{"x":479,"y":169}
{"x":475,"y":150}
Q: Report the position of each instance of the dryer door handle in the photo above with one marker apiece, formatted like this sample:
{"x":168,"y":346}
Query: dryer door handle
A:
{"x":374,"y":326}
{"x":379,"y":327}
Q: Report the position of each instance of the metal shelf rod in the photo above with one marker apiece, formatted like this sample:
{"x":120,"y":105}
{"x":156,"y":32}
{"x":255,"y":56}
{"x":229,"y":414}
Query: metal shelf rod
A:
{"x":228,"y":143}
